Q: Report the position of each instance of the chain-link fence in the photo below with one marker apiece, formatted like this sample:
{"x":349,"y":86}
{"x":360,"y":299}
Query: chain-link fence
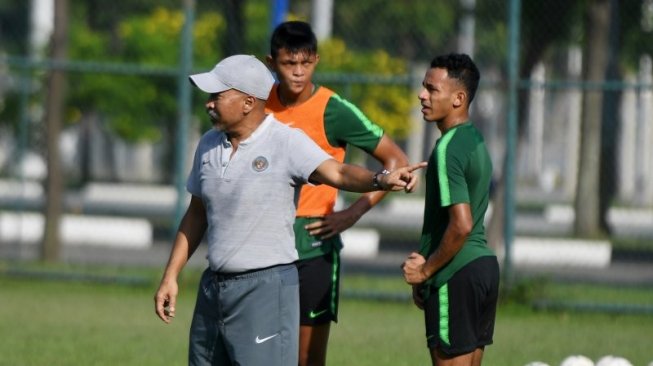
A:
{"x":123,"y":150}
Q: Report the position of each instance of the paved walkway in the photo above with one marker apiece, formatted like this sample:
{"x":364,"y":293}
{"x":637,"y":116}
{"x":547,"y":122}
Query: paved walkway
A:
{"x":628,"y":269}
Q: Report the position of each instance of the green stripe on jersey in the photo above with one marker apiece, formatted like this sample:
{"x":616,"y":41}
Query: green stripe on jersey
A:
{"x":445,"y":192}
{"x":376,"y":130}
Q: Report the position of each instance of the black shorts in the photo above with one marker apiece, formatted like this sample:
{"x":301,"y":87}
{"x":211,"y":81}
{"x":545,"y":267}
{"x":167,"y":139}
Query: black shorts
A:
{"x":460,"y":315}
{"x":319,"y":285}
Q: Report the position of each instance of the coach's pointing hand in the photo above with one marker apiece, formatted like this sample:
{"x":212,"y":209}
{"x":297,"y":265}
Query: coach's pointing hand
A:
{"x":401,"y":178}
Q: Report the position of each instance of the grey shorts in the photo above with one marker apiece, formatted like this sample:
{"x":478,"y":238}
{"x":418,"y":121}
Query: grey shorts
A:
{"x":246,"y":319}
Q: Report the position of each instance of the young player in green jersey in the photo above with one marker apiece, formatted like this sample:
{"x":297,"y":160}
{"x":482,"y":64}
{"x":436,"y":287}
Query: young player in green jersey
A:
{"x":455,"y":276}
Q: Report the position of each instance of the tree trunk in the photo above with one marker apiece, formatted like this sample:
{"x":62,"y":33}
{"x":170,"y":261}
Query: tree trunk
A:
{"x":595,"y":61}
{"x":610,"y":125}
{"x":54,"y":111}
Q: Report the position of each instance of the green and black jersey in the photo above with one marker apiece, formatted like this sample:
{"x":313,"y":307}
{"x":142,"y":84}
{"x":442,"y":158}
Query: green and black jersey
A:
{"x":459,"y":171}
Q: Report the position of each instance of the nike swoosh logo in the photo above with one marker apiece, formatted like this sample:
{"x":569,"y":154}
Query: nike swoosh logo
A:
{"x":261,"y":340}
{"x":314,"y":314}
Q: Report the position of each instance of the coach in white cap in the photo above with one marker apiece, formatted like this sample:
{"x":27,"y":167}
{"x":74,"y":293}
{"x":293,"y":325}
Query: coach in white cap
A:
{"x":241,"y":72}
{"x":246,"y":174}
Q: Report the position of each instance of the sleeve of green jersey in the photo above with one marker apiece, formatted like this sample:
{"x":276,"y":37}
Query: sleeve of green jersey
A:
{"x":345,"y":124}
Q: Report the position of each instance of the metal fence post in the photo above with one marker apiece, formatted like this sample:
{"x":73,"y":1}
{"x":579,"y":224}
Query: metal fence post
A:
{"x":184,"y":102}
{"x":514,"y":12}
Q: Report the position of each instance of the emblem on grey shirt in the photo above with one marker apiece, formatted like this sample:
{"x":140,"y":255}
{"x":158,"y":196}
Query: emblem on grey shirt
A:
{"x":260,"y":164}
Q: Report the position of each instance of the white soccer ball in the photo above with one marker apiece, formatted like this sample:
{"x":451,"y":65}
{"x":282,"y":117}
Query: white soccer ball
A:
{"x":577,"y":360}
{"x":613,"y":361}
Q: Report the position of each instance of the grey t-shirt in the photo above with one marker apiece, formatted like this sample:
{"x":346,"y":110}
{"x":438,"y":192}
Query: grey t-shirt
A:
{"x":251,"y":197}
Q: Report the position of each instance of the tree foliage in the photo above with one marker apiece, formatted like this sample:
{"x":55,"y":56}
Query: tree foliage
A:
{"x":386,"y":105}
{"x":14,"y":26}
{"x":137,"y":106}
{"x":413,"y":30}
{"x":636,"y":36}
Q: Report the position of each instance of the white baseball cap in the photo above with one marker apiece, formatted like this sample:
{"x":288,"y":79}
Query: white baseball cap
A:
{"x":244,"y":73}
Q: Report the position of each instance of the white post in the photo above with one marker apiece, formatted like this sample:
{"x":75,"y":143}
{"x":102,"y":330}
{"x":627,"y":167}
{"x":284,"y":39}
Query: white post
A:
{"x":322,"y":18}
{"x":467,"y":28}
{"x":646,"y":123}
{"x":574,"y":67}
{"x":626,"y":185}
{"x":536,"y":121}
{"x":41,"y":25}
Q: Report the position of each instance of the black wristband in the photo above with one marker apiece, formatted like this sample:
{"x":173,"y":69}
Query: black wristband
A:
{"x":375,"y":178}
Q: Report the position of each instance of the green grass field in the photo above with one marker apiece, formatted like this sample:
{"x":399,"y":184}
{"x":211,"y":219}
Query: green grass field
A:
{"x":105,"y":316}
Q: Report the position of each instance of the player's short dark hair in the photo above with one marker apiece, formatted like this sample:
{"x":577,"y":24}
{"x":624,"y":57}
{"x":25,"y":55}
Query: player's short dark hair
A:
{"x":460,"y":66}
{"x":295,"y":36}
